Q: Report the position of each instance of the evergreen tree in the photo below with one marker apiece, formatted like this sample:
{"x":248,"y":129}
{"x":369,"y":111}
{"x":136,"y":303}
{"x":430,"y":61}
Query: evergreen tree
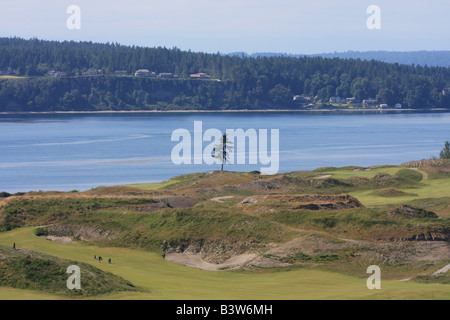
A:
{"x":222,"y":150}
{"x":445,"y":152}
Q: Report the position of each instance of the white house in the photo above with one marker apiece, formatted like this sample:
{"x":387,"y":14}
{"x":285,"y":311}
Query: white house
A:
{"x":91,"y":72}
{"x":369,"y":102}
{"x":144,"y":73}
{"x":53,"y":73}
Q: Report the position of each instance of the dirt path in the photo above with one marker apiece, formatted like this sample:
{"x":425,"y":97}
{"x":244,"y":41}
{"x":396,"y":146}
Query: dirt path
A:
{"x":220,"y":199}
{"x":424,"y":174}
{"x":443,"y":270}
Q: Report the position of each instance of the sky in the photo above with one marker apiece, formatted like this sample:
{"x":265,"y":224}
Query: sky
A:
{"x":286,"y":26}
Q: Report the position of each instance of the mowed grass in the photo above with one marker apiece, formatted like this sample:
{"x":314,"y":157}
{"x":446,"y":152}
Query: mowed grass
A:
{"x":346,"y":173}
{"x":437,"y":188}
{"x":430,"y":188}
{"x":160,"y":279}
{"x":155,"y":185}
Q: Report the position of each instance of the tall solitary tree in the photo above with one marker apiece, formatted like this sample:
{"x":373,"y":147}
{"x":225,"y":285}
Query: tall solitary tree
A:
{"x":222,"y":150}
{"x":445,"y":153}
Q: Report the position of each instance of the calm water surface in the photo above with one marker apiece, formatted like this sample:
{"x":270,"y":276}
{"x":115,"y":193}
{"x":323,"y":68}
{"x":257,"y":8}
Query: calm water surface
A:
{"x":82,"y":151}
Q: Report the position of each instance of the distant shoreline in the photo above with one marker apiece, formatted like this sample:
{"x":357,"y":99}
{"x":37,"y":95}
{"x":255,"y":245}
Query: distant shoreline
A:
{"x":215,"y":111}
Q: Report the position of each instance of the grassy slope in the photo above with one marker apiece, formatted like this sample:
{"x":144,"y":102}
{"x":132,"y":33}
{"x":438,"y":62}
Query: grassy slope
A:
{"x":431,"y":188}
{"x":166,"y":280}
{"x":28,"y":269}
{"x":170,"y":281}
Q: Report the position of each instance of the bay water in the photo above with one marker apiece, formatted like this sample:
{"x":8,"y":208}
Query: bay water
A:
{"x":66,"y":152}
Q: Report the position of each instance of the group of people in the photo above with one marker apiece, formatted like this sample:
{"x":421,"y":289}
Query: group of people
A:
{"x":99,"y":258}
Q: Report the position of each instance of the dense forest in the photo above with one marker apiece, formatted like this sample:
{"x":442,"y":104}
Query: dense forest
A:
{"x":235,"y":83}
{"x":422,"y":58}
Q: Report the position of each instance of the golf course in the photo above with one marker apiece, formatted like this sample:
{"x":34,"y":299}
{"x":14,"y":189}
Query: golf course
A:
{"x":230,"y":235}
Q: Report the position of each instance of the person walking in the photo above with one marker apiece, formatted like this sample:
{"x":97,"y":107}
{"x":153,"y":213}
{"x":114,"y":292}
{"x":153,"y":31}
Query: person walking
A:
{"x":14,"y":245}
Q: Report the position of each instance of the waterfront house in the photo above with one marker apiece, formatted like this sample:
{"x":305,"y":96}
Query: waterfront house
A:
{"x":336,"y":100}
{"x":92,"y":72}
{"x":200,"y":76}
{"x":167,"y":75}
{"x":144,"y":73}
{"x":370,"y":102}
{"x":53,"y":73}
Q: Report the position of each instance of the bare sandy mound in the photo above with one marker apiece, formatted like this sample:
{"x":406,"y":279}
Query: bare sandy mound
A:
{"x":195,"y":260}
{"x":60,"y":239}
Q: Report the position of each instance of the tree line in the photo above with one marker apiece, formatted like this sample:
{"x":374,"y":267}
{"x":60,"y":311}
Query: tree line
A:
{"x":245,"y":82}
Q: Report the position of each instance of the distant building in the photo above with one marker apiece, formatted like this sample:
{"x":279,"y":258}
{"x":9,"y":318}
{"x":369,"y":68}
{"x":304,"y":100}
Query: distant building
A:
{"x":398,"y":106}
{"x":383,"y":106}
{"x":92,"y":72}
{"x":370,"y":102}
{"x":120,"y":72}
{"x":352,"y":100}
{"x":446,"y":91}
{"x":53,"y":73}
{"x":302,"y":99}
{"x":167,"y":75}
{"x":200,"y":76}
{"x":7,"y":71}
{"x":144,"y":73}
{"x":336,"y":100}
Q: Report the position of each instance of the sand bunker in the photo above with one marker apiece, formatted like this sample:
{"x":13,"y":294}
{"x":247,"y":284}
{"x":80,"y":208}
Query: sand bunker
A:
{"x":196,"y":261}
{"x":60,"y":239}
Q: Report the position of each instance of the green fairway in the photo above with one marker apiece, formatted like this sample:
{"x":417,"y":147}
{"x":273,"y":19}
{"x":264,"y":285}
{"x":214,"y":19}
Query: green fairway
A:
{"x":430,"y":188}
{"x":160,"y":279}
{"x":155,"y":185}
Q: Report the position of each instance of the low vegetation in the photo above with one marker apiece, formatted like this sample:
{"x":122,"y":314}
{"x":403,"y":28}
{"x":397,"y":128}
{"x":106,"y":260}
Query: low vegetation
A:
{"x":333,"y":219}
{"x":26,"y":269}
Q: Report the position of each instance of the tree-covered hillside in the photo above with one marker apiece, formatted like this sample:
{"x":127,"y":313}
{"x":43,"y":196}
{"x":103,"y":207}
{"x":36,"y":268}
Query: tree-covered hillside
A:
{"x":235,"y":83}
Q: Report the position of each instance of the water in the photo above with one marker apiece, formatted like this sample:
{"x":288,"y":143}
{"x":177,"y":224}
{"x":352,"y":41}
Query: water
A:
{"x":82,"y":151}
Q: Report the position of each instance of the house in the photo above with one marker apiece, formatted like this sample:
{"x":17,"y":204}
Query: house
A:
{"x":352,"y":100}
{"x":92,"y":72}
{"x":120,"y":72}
{"x":398,"y":106}
{"x":167,"y":75}
{"x":370,"y":102}
{"x":200,"y":76}
{"x":53,"y":73}
{"x":7,"y":71}
{"x":383,"y":106}
{"x":144,"y":73}
{"x":446,"y":91}
{"x":336,"y":100}
{"x":301,"y":99}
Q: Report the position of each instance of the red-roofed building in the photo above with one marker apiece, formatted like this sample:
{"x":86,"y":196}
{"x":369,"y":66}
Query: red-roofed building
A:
{"x":200,"y":76}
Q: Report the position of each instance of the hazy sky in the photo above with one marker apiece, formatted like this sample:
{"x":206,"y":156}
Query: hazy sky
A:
{"x":292,"y":26}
